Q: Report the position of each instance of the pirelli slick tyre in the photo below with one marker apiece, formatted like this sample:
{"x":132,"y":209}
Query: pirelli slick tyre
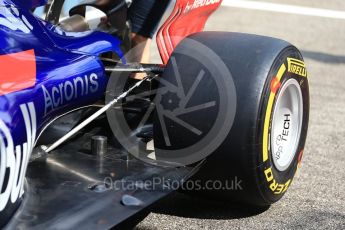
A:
{"x":256,"y":160}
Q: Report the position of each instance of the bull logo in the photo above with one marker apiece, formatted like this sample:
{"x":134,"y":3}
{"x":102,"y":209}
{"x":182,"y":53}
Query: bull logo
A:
{"x":14,"y":159}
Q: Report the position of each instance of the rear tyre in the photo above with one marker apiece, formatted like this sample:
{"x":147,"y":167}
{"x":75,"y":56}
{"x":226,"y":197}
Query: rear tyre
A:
{"x":259,"y":156}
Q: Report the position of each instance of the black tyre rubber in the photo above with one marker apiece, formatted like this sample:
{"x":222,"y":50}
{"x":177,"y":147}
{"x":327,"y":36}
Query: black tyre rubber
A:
{"x":242,"y":162}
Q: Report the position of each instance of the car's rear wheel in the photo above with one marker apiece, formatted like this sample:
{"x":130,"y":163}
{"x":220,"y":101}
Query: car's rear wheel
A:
{"x":257,"y":158}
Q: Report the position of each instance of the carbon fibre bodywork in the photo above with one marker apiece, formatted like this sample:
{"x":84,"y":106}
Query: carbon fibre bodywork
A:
{"x":82,"y":191}
{"x":44,"y":73}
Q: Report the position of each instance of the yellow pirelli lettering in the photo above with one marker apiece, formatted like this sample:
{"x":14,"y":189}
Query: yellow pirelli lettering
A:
{"x":275,"y":187}
{"x":287,"y":184}
{"x":280,"y":74}
{"x":269,"y":174}
{"x":297,"y":67}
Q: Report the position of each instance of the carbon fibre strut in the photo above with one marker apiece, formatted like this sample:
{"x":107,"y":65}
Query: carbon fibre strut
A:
{"x":47,"y":149}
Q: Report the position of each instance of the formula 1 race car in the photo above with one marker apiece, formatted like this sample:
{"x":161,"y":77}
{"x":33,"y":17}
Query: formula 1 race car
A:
{"x":85,"y":144}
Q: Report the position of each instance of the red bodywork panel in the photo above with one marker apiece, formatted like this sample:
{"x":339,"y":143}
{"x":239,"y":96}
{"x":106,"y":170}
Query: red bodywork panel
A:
{"x":17,"y":71}
{"x":187,"y":17}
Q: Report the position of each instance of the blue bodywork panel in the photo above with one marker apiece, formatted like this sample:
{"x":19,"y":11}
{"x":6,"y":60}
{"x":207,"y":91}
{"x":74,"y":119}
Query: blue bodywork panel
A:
{"x":44,"y":72}
{"x":26,"y":4}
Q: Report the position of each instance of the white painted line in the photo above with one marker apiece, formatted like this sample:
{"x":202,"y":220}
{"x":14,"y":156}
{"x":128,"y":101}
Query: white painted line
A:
{"x":284,"y":8}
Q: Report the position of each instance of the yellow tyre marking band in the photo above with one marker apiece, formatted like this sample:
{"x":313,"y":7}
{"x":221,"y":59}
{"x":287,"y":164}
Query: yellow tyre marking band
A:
{"x":295,"y":66}
{"x":280,"y":74}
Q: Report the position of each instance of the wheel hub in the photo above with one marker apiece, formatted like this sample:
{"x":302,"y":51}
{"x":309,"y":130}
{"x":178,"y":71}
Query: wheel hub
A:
{"x":286,"y":124}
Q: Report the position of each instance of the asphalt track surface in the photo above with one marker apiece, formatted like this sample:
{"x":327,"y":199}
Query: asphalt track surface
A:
{"x":316,"y":199}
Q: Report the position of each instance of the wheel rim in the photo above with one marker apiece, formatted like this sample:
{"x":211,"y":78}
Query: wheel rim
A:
{"x":286,"y":124}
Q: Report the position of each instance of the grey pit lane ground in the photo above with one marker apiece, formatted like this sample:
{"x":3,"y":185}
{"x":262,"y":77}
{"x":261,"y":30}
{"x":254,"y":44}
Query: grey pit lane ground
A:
{"x":316,"y":198}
